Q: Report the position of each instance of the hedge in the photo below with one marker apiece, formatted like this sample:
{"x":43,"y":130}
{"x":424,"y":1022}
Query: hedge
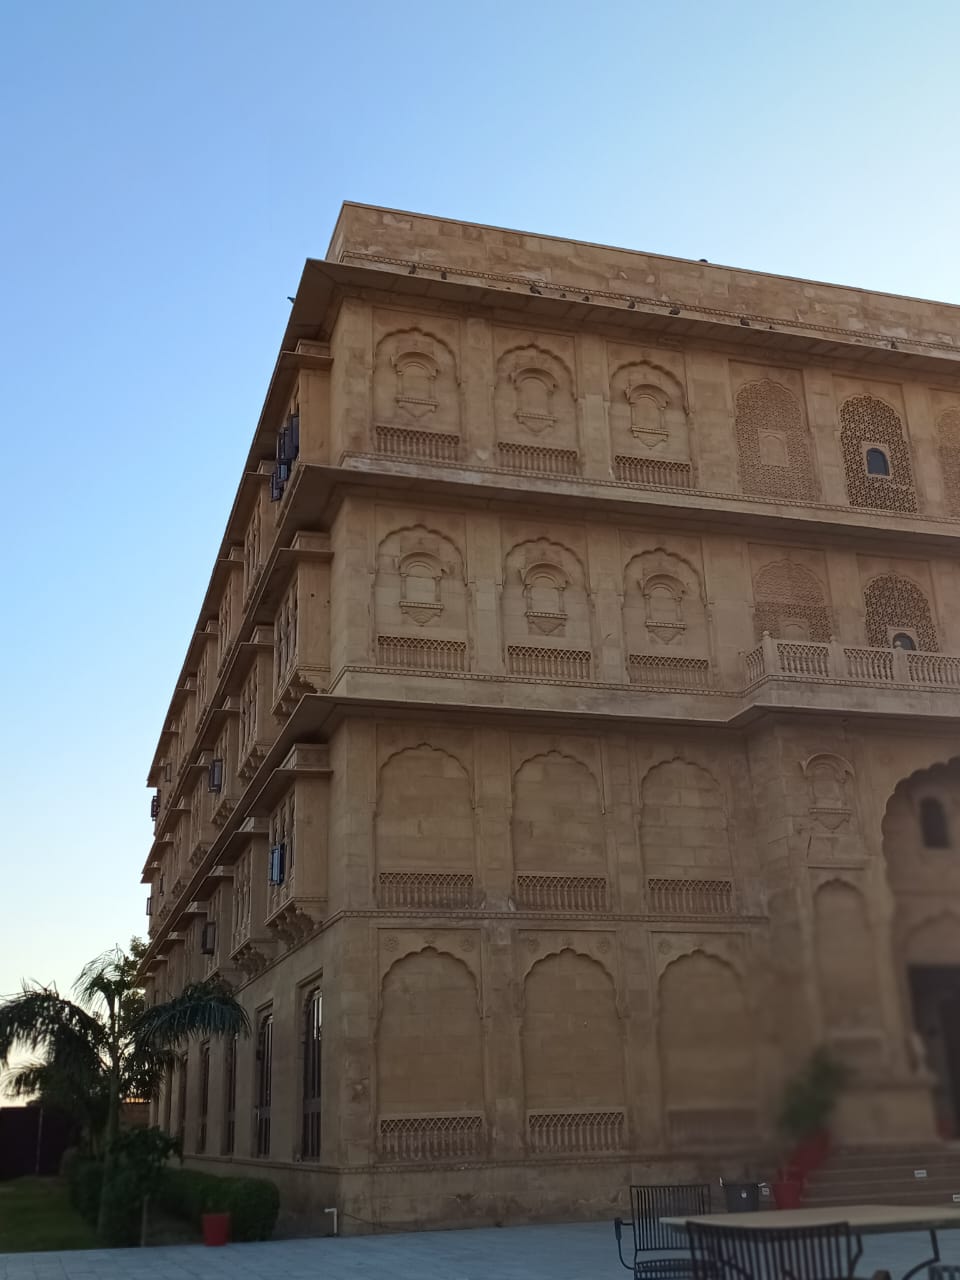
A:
{"x":122,"y":1211}
{"x":253,"y":1203}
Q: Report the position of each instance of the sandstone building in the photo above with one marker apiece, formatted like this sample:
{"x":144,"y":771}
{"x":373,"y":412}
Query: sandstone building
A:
{"x":567,"y":742}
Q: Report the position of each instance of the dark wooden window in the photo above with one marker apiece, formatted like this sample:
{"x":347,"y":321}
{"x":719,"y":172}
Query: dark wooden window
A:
{"x":230,"y":1097}
{"x":933,"y":824}
{"x":261,"y":1113}
{"x":204,"y":1098}
{"x":312,"y":1045}
{"x":877,"y":464}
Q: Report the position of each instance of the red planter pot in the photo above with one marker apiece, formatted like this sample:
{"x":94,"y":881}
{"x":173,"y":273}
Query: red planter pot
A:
{"x":810,"y":1153}
{"x":215,"y":1228}
{"x":787,"y":1194}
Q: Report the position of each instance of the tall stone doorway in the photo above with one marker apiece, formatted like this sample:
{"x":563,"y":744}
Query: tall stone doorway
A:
{"x":921,"y":844}
{"x":935,"y":1005}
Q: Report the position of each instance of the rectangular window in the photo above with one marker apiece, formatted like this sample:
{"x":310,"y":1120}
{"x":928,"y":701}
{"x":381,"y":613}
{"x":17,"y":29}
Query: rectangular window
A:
{"x":261,"y":1113}
{"x":182,"y":1099}
{"x":248,"y":713}
{"x":204,"y":1098}
{"x":230,"y":1097}
{"x":312,"y":1038}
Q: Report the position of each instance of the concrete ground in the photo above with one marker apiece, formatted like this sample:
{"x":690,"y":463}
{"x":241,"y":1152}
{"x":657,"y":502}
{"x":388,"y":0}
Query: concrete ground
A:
{"x":579,"y":1251}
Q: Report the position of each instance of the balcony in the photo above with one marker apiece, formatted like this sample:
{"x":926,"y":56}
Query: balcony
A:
{"x":855,"y":664}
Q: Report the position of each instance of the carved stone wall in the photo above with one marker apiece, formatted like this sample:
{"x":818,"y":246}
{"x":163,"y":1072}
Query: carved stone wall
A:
{"x":424,"y":818}
{"x":774,"y":451}
{"x":846,"y":961}
{"x":948,"y":435}
{"x":663,"y":606}
{"x":545,"y":606}
{"x":416,"y":382}
{"x":571,"y":1038}
{"x":557,"y":824}
{"x":707,"y":1097}
{"x":894,"y":604}
{"x":649,"y":418}
{"x":790,"y":603}
{"x":683,"y":824}
{"x":534,"y":396}
{"x":430,"y":1052}
{"x":867,"y":422}
{"x":420,"y":601}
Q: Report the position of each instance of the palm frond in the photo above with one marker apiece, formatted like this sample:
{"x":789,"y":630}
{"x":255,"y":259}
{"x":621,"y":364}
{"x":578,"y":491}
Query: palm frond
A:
{"x":202,"y":1009}
{"x":104,"y":980}
{"x":42,"y":1022}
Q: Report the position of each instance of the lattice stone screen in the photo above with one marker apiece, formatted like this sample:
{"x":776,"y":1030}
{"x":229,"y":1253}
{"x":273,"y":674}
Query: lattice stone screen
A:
{"x":948,"y":428}
{"x":579,"y":1132}
{"x":867,"y":421}
{"x":539,"y":458}
{"x":660,"y":671}
{"x":786,"y":592}
{"x":659,"y":471}
{"x":893,"y":602}
{"x":671,"y":897}
{"x":425,"y":446}
{"x":562,"y":893}
{"x":548,"y":664}
{"x":432,"y":1137}
{"x":765,"y":411}
{"x":422,"y":889}
{"x":421,"y":652}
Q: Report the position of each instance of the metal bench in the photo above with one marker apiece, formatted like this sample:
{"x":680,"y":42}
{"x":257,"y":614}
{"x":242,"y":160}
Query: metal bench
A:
{"x":653,"y":1238}
{"x":828,"y":1252}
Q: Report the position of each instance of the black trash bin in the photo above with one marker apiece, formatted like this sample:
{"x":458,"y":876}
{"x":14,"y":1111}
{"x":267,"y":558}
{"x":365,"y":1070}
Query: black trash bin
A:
{"x":742,"y":1197}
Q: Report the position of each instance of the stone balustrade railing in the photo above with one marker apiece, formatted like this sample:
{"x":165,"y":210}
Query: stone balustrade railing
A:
{"x":861,"y":664}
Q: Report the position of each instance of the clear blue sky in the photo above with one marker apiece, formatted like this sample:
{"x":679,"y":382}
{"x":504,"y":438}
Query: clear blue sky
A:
{"x":166,"y":167}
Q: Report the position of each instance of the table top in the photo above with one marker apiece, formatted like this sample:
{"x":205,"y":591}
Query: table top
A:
{"x":864,"y":1219}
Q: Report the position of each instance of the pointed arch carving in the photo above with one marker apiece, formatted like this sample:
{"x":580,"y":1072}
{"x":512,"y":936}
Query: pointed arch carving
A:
{"x":828,"y":781}
{"x":572,"y":1036}
{"x":684,"y":823}
{"x":545,"y":595}
{"x":663,"y":605}
{"x":774,"y":451}
{"x":424,"y":824}
{"x":707,"y":1043}
{"x":790,"y":603}
{"x":416,"y":381}
{"x":421,"y":1073}
{"x":649,"y":412}
{"x":420,"y":583}
{"x":846,"y":961}
{"x":534,"y":395}
{"x":557,"y":817}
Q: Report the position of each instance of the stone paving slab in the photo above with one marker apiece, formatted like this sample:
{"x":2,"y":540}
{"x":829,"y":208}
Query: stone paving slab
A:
{"x":578,"y":1251}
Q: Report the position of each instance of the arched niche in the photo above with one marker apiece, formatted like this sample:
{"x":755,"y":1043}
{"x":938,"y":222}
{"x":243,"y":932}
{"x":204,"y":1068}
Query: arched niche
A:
{"x":648,"y":412}
{"x":424,"y":819}
{"x":663,"y":605}
{"x":571,"y":1035}
{"x":557,"y":817}
{"x":869,"y":423}
{"x":684,"y":829}
{"x":420,"y":584}
{"x":415,"y":382}
{"x":845,"y":958}
{"x":545,"y":573}
{"x":534,"y":397}
{"x":429,"y":1048}
{"x":896,"y":609}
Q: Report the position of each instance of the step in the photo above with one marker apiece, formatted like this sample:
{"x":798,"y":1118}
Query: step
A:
{"x":886,"y":1190}
{"x":889,"y":1173}
{"x":902,"y":1195}
{"x":915,"y":1157}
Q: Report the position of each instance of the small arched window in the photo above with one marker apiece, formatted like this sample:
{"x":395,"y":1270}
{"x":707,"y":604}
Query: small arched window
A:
{"x":933,"y":824}
{"x":877,"y":463}
{"x":903,"y":640}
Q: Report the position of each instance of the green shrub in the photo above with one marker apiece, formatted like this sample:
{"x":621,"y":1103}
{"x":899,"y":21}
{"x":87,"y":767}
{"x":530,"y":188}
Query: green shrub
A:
{"x":253,"y":1203}
{"x":121,"y":1223}
{"x":84,"y":1180}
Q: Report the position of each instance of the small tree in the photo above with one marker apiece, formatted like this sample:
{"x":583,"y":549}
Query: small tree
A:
{"x":106,"y":1046}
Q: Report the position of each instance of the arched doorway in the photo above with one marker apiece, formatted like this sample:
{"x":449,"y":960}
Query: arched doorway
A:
{"x":921,"y":843}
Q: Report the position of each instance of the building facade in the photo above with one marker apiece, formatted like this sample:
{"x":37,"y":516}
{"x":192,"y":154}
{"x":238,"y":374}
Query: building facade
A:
{"x":567,"y":744}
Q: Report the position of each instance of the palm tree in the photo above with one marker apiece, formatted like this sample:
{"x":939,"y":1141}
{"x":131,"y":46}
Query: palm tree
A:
{"x":107,"y":1045}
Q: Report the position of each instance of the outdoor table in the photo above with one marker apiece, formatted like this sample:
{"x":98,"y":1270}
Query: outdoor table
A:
{"x":863,"y":1220}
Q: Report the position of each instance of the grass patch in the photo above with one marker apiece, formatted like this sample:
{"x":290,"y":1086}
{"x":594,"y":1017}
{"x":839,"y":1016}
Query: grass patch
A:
{"x":35,"y":1213}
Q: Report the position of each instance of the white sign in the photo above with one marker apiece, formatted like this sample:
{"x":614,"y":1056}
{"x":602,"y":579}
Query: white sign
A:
{"x":919,"y":1173}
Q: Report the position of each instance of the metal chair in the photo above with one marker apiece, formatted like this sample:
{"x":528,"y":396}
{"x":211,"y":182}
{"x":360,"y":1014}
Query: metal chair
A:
{"x":827,"y":1252}
{"x":651,"y":1237}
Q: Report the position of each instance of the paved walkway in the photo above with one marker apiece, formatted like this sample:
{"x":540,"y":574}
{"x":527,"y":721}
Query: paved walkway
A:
{"x":581,"y":1251}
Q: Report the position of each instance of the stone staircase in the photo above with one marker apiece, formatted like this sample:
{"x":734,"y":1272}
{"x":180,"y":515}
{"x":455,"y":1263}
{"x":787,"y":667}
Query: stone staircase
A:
{"x":887,"y":1175}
